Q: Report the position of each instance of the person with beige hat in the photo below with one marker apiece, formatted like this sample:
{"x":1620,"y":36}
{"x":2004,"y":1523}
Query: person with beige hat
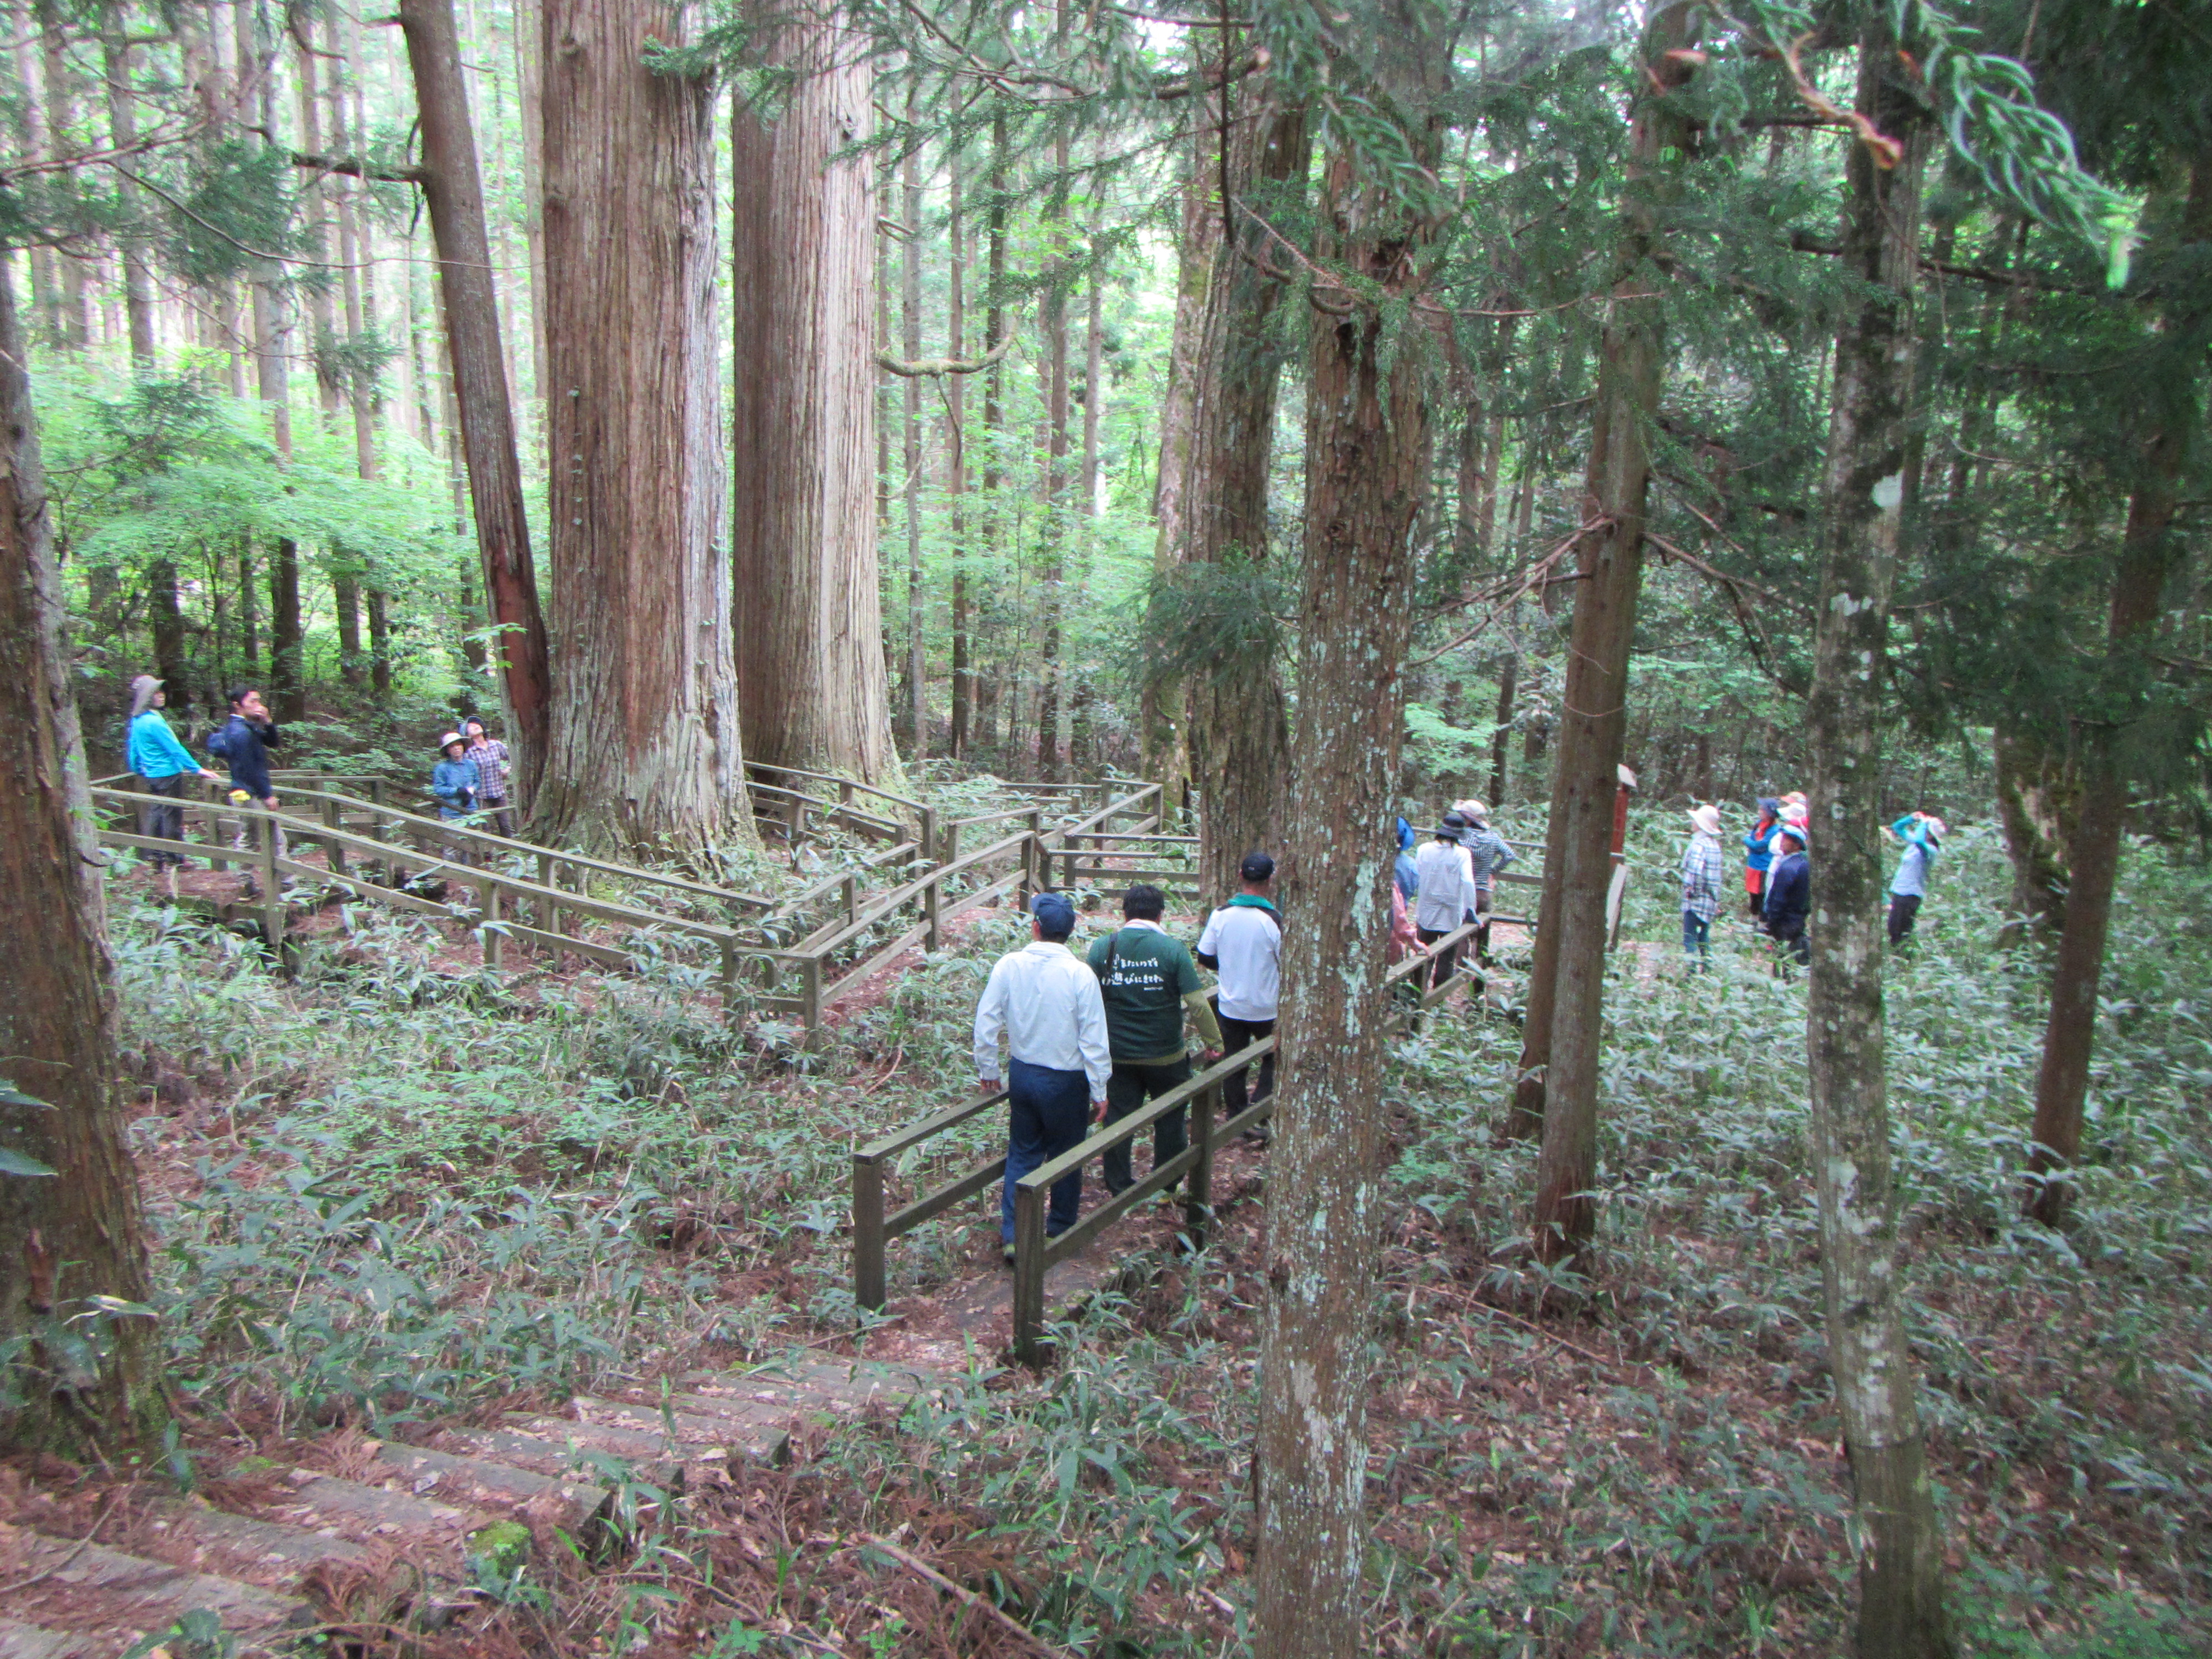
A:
{"x":1704,"y":869}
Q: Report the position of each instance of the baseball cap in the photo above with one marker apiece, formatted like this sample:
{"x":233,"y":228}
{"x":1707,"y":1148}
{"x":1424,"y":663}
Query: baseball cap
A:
{"x":1056,"y":911}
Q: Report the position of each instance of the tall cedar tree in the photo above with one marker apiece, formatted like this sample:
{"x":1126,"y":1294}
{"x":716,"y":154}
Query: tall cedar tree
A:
{"x":804,"y":414}
{"x":1557,"y":1086}
{"x":1367,"y":470}
{"x":75,"y":1235}
{"x":1900,"y":1550}
{"x":644,"y":750}
{"x":453,"y":189}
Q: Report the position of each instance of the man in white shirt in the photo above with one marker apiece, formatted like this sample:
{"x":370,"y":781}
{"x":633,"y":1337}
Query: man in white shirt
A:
{"x":1242,"y":944}
{"x":1447,"y":894}
{"x":1047,"y":1002}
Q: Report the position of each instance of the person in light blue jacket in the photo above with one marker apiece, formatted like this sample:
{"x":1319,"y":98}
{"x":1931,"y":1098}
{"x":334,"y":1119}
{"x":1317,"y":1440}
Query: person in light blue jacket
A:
{"x":163,"y":765}
{"x":1923,"y":836}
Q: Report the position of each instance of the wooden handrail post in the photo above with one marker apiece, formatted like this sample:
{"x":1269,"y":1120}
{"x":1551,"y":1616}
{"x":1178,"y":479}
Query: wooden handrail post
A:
{"x":545,"y":880}
{"x":333,"y":851}
{"x":809,"y":992}
{"x":1198,"y":1188}
{"x":852,"y":888}
{"x":867,"y":1233}
{"x":1030,"y":1349}
{"x":932,"y":898}
{"x":272,"y":896}
{"x":1032,"y":852}
{"x":928,"y":834}
{"x":488,"y":922}
{"x":730,"y":1013}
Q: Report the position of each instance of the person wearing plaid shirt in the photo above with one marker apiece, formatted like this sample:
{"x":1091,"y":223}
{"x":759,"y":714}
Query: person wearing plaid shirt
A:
{"x":1703,"y":871}
{"x":492,"y":760}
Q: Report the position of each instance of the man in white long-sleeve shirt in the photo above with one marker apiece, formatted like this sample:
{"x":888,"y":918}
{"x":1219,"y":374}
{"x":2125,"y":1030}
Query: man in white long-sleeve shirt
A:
{"x":1047,"y":1002}
{"x":1447,"y":894}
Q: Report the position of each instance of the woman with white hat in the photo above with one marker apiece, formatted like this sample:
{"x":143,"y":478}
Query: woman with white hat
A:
{"x":1704,"y":869}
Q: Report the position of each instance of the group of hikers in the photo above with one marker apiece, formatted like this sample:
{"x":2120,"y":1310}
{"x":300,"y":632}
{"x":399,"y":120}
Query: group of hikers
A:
{"x":1778,"y":875}
{"x":469,"y":780}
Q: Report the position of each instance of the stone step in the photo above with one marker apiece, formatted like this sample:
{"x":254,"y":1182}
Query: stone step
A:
{"x":493,"y":1484}
{"x":86,"y":1592}
{"x":207,"y":1539}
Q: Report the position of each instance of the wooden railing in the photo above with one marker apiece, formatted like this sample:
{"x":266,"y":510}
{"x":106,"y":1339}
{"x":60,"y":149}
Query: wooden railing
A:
{"x":1034,"y":1254}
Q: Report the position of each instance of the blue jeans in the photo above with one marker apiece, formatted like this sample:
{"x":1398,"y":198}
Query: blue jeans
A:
{"x":1697,"y":934}
{"x":1048,"y":1113}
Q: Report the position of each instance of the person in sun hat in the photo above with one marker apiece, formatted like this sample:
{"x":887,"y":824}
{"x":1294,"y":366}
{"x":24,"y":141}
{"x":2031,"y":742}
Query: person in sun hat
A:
{"x":1447,"y":893}
{"x":1704,"y":869}
{"x":1486,"y":854}
{"x":1047,"y":1004}
{"x":1790,"y":891}
{"x":162,"y":764}
{"x":1758,"y":855}
{"x":493,"y":763}
{"x":1923,"y":834}
{"x":455,"y":783}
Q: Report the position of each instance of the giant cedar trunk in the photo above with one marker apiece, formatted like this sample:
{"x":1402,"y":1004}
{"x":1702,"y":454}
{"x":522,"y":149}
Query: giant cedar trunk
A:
{"x":644,"y":750}
{"x":1564,"y":1027}
{"x":1367,"y":463}
{"x":1900,"y":1550}
{"x":78,"y":1235}
{"x":1163,"y":705}
{"x":454,"y":192}
{"x":810,"y":632}
{"x":1239,"y":722}
{"x":2150,"y":550}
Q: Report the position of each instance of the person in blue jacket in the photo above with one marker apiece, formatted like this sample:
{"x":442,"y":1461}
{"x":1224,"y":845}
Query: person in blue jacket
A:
{"x":1403,"y":871}
{"x":162,"y":765}
{"x":1789,"y":894}
{"x":1757,"y":858}
{"x":454,"y":781}
{"x":243,"y":744}
{"x":1923,"y":836}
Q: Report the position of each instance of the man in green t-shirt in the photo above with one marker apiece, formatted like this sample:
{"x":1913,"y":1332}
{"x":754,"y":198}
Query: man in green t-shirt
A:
{"x":1147,"y":979}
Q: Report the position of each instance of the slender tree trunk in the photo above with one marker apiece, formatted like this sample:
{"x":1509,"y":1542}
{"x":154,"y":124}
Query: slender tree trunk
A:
{"x":287,"y":684}
{"x":956,"y":468}
{"x":1052,"y":314}
{"x":454,"y":190}
{"x":123,"y":132}
{"x":645,"y":748}
{"x":917,"y":660}
{"x":351,"y":139}
{"x":1239,"y":729}
{"x":1367,"y":467}
{"x":1163,"y":711}
{"x":1562,"y":1031}
{"x":810,"y":631}
{"x":2151,"y":550}
{"x":527,"y":26}
{"x":73,"y":330}
{"x":1900,"y":1549}
{"x":994,"y":403}
{"x":1501,"y":739}
{"x":314,"y":208}
{"x":88,"y":1382}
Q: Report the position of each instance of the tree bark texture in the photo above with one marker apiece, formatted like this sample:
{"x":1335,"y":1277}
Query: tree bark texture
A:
{"x":2038,"y":794}
{"x":1238,"y":717}
{"x":1163,"y":705}
{"x":1051,"y":531}
{"x":810,"y":631}
{"x":1900,"y":1550}
{"x":88,"y":1378}
{"x":917,"y":656}
{"x":955,"y":459}
{"x":453,"y":189}
{"x":1562,"y":1036}
{"x":117,"y":55}
{"x":644,"y":749}
{"x":1367,"y":466}
{"x":2151,"y":549}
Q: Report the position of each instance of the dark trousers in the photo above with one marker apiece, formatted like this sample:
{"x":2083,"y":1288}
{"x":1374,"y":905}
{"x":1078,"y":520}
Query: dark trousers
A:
{"x":1904,"y":911}
{"x":1446,"y":963}
{"x":1239,"y":1034}
{"x":1130,"y":1087}
{"x":1697,"y":934}
{"x":495,"y":816}
{"x":1048,"y":1113}
{"x":165,"y":822}
{"x":1791,"y":939}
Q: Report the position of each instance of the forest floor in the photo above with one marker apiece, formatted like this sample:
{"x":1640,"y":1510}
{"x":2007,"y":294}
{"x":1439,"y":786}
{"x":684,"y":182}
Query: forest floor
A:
{"x":399,"y":1195}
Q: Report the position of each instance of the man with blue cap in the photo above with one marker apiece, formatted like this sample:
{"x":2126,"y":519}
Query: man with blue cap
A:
{"x":1047,"y":1002}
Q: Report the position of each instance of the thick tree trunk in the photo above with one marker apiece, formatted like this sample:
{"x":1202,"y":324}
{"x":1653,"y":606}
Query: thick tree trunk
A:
{"x":644,"y":752}
{"x":917,"y":660}
{"x":1238,"y":719}
{"x":2037,"y":796}
{"x":810,"y":632}
{"x":1163,"y":710}
{"x":2151,"y":549}
{"x":288,"y":685}
{"x":955,"y":461}
{"x":454,"y":190}
{"x":314,"y":210}
{"x":1367,"y":465}
{"x":1900,"y":1549}
{"x":1594,"y":717}
{"x":88,"y":1380}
